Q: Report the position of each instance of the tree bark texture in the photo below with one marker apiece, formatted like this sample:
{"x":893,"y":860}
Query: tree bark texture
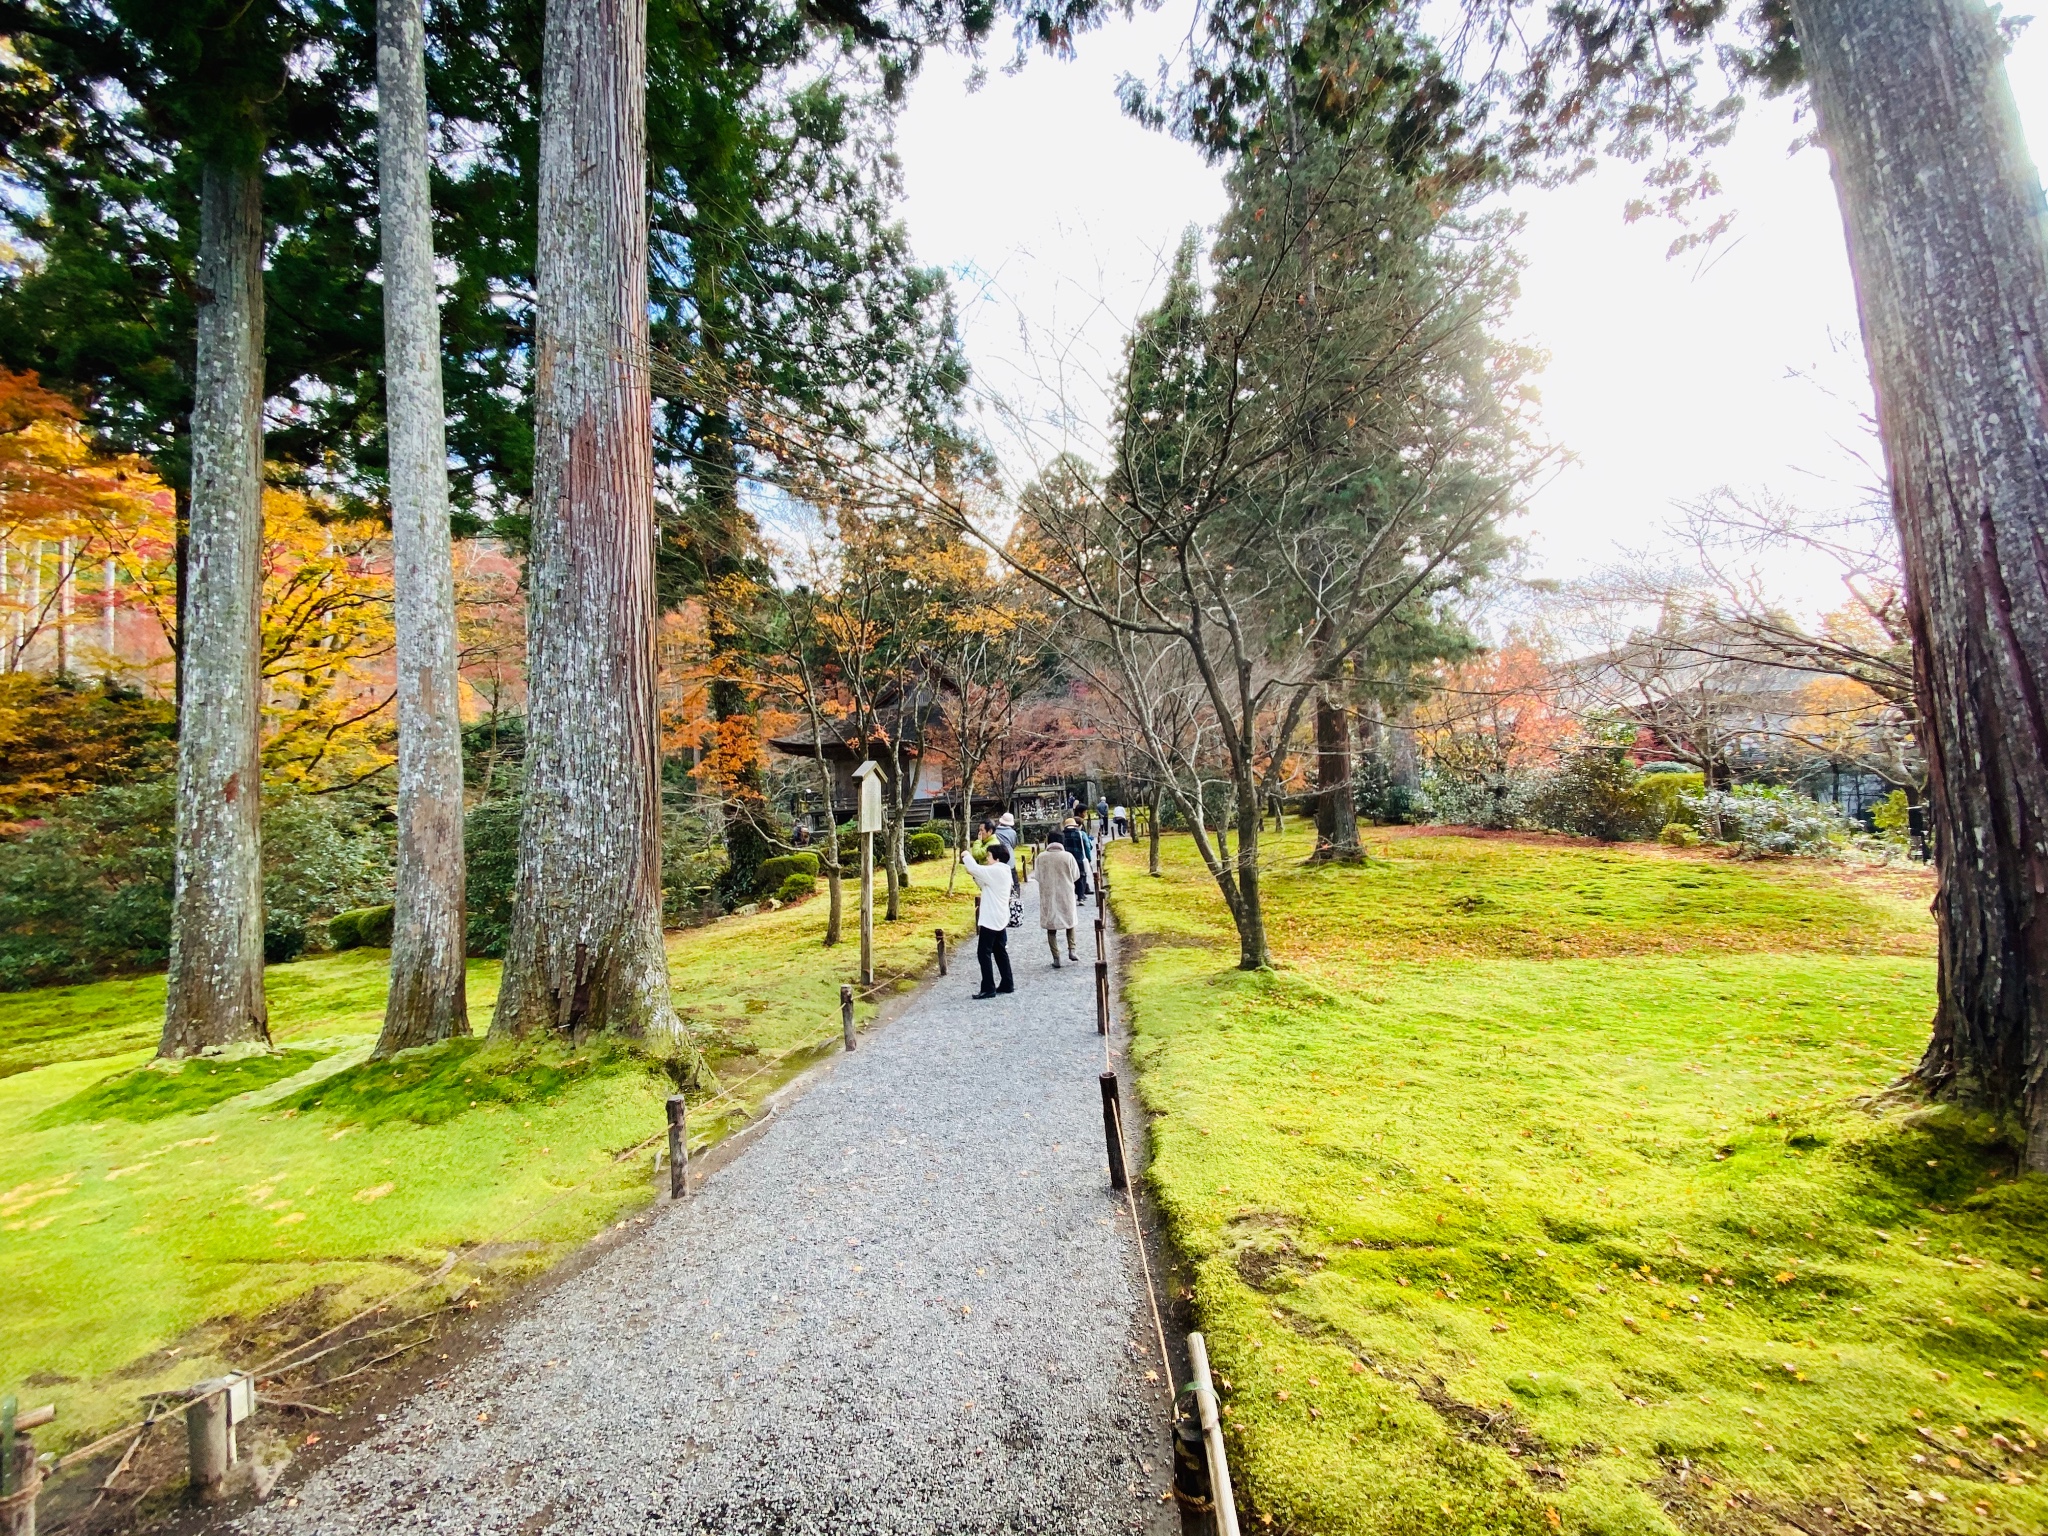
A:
{"x":1249,"y":907}
{"x":428,"y":999}
{"x":214,"y":996}
{"x":585,"y":952}
{"x":828,"y":850}
{"x":892,"y":841}
{"x":1941,"y":207}
{"x":1336,"y":811}
{"x":1403,"y":766}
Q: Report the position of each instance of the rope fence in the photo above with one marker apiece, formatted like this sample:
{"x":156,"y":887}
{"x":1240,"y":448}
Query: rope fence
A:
{"x":21,"y":1485}
{"x":1201,"y":1477}
{"x":213,"y":1407}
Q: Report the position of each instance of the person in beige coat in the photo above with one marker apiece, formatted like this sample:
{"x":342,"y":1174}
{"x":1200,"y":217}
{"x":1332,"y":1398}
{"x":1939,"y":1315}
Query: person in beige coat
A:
{"x":1056,"y":873}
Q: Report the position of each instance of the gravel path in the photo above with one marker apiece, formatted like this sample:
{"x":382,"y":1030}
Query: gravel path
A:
{"x":911,"y":1306}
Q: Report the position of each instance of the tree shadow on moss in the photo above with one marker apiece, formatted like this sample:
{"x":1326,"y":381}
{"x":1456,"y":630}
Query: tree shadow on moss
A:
{"x":156,"y":1093}
{"x":1939,"y":1158}
{"x":435,"y":1084}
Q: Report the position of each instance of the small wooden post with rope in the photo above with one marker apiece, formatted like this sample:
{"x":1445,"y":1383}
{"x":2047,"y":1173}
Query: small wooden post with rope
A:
{"x":1112,"y":1130}
{"x":942,"y":950}
{"x":217,"y":1407}
{"x":846,"y":1012}
{"x":21,"y":1475}
{"x":1101,"y":980}
{"x":678,"y":1148}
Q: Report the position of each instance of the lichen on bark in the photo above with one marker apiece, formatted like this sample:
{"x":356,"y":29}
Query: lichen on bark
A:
{"x":214,"y":994}
{"x":585,"y":953}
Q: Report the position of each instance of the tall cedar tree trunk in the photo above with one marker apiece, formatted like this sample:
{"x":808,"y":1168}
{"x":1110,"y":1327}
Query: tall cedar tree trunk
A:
{"x":214,"y":996}
{"x":1941,"y":208}
{"x":1336,"y":811}
{"x":585,"y":952}
{"x":1152,"y":832}
{"x":428,"y":1001}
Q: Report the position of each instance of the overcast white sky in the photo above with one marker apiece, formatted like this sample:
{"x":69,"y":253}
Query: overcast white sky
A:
{"x":1666,"y":378}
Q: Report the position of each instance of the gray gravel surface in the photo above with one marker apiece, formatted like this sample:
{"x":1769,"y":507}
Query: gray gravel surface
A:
{"x":911,"y":1306}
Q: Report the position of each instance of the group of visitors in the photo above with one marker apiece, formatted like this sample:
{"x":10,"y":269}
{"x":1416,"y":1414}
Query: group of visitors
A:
{"x":998,"y":868}
{"x":1110,"y":821}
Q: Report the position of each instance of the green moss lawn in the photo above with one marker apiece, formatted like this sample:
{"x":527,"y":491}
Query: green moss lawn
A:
{"x":1556,"y":1187}
{"x":157,"y":1227}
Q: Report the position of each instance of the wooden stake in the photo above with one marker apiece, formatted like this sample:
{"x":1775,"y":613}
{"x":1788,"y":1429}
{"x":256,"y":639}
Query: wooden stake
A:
{"x":678,"y":1148}
{"x":24,"y":1482}
{"x":867,"y":909}
{"x":846,"y":1013}
{"x":1102,"y":997}
{"x":1117,"y":1177}
{"x":942,"y":951}
{"x":211,"y":1440}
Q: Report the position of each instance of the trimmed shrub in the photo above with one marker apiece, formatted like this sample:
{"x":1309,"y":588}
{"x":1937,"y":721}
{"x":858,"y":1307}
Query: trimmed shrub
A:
{"x":849,"y":846}
{"x":796,"y":886}
{"x":1677,"y":834}
{"x":775,"y":872}
{"x":283,"y":942}
{"x":1761,"y":821}
{"x":1893,"y":818}
{"x":1669,"y":792}
{"x":921,"y":846}
{"x":1494,"y":801}
{"x":1597,"y":793}
{"x":362,"y":927}
{"x":1378,"y":795}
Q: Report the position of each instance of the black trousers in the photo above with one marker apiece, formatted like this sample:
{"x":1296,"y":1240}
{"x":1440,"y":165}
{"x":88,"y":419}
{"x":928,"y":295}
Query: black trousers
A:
{"x":994,"y":944}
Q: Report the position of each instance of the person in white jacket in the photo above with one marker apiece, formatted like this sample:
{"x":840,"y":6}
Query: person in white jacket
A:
{"x":992,"y":918}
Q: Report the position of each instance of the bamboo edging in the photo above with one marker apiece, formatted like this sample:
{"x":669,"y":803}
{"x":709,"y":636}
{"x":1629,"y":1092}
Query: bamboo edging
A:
{"x":1212,"y":1437}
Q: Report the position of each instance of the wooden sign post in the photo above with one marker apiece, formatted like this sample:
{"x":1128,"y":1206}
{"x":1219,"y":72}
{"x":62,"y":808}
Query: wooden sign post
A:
{"x":869,"y":776}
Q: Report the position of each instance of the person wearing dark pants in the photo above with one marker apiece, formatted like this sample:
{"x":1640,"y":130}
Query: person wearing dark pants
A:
{"x":992,"y":918}
{"x":1074,"y":838}
{"x":992,"y":949}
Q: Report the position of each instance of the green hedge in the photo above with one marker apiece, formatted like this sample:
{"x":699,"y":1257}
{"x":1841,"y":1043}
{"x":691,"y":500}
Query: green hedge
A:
{"x":924,"y":845}
{"x":776,"y":871}
{"x":361,"y":927}
{"x":796,"y":887}
{"x":1667,"y":792}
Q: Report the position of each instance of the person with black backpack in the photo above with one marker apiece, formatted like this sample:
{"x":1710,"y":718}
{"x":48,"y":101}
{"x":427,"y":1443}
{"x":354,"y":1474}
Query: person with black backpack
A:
{"x":1075,"y":840}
